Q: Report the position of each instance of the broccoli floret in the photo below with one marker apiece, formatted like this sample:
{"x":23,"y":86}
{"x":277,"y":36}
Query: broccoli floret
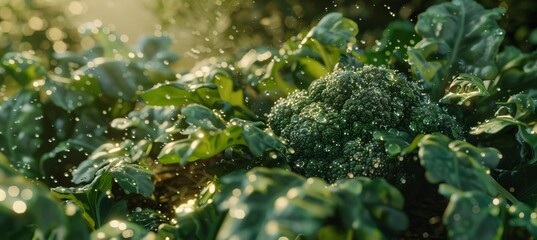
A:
{"x":329,"y":127}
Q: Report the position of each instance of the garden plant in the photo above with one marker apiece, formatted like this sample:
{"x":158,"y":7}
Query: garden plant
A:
{"x":428,"y":133}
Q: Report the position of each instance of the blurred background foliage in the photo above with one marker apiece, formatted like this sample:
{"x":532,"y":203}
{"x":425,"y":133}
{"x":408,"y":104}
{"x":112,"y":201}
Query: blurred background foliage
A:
{"x":206,"y":28}
{"x":44,"y":26}
{"x":231,"y":25}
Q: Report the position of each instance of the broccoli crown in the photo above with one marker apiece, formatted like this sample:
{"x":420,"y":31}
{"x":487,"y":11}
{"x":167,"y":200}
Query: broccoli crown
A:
{"x":329,"y":127}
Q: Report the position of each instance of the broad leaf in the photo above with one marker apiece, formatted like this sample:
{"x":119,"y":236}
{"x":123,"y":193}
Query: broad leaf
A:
{"x":210,"y":135}
{"x":27,"y":210}
{"x":148,"y":218}
{"x":334,"y":30}
{"x":472,"y":215}
{"x":458,"y":163}
{"x":458,"y":37}
{"x":115,"y":78}
{"x":119,"y":161}
{"x":23,"y":67}
{"x":391,"y":49}
{"x":157,"y":124}
{"x":202,"y":117}
{"x":177,"y":94}
{"x":117,"y":229}
{"x":272,"y":203}
{"x":96,"y":205}
{"x":63,"y":93}
{"x":304,"y":59}
{"x":196,"y":223}
{"x":22,"y":124}
{"x":463,"y":88}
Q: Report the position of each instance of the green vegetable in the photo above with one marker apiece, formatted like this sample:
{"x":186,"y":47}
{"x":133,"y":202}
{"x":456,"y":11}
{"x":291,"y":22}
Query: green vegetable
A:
{"x":273,"y":203}
{"x":329,"y":127}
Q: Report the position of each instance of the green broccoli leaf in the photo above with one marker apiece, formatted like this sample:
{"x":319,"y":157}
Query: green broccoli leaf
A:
{"x":463,"y":88}
{"x":458,"y":37}
{"x":396,"y":142}
{"x":177,"y":94}
{"x":117,"y":229}
{"x":23,"y":67}
{"x":96,"y":205}
{"x":114,"y":76}
{"x":27,"y":210}
{"x":211,"y":136}
{"x":148,"y":218}
{"x":472,"y":215}
{"x":157,"y":124}
{"x":120,"y":161}
{"x":518,"y":71}
{"x":227,"y":89}
{"x":521,"y":215}
{"x":392,"y":49}
{"x":202,"y":117}
{"x":197,"y":224}
{"x":22,"y":125}
{"x":458,"y":163}
{"x":133,"y":178}
{"x":153,"y":54}
{"x":519,"y":112}
{"x":271,"y":203}
{"x":63,"y":93}
{"x":334,"y":30}
{"x":304,"y":59}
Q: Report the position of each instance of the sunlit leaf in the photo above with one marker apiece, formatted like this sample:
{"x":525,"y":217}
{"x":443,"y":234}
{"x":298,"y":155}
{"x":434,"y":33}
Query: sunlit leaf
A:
{"x":265,"y":203}
{"x":334,"y":30}
{"x":117,"y":229}
{"x":62,"y":93}
{"x":463,"y":88}
{"x":23,"y":67}
{"x":177,"y":94}
{"x":202,"y":117}
{"x":119,"y":161}
{"x":133,"y":179}
{"x":97,"y":207}
{"x":211,"y":136}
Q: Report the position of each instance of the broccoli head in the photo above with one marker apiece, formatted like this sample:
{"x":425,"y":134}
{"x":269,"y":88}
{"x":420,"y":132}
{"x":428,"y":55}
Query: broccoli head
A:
{"x":329,"y":126}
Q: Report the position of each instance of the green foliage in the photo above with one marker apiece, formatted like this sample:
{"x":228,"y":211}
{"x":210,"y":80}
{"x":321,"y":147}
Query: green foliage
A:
{"x":135,"y":149}
{"x":458,"y":163}
{"x":28,"y":211}
{"x":272,"y":203}
{"x":119,"y":160}
{"x":18,"y":141}
{"x":44,"y":27}
{"x":392,"y":48}
{"x":463,"y":88}
{"x":309,"y":56}
{"x":458,"y":37}
{"x":23,"y":67}
{"x":210,"y":135}
{"x":122,"y":230}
